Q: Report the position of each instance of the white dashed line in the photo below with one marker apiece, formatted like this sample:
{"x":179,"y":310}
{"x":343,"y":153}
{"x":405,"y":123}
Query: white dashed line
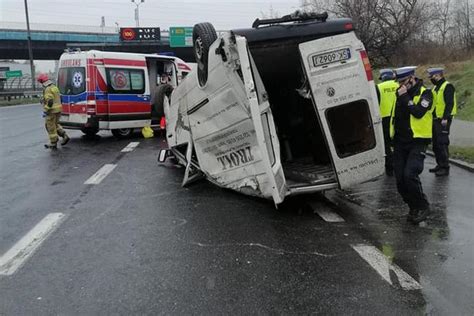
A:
{"x":17,"y":255}
{"x":130,"y":147}
{"x":383,"y":266}
{"x":326,"y":214}
{"x":101,"y":174}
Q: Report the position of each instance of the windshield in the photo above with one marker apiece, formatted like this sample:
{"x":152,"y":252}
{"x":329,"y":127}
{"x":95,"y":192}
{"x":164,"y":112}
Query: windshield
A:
{"x":71,"y":80}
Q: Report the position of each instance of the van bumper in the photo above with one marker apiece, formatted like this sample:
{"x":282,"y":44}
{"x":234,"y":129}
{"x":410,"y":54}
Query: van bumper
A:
{"x":92,"y":123}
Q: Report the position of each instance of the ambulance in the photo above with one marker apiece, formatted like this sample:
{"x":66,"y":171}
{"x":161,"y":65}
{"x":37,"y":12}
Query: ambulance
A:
{"x":115,"y":91}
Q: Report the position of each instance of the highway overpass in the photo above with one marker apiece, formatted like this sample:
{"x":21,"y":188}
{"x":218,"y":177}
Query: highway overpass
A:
{"x":50,"y":44}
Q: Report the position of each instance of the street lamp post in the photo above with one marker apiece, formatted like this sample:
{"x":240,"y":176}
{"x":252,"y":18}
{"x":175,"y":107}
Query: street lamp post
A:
{"x":137,"y":11}
{"x":30,"y":50}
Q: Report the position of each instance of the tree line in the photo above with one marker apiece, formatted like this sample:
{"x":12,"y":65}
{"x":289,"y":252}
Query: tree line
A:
{"x":407,"y":31}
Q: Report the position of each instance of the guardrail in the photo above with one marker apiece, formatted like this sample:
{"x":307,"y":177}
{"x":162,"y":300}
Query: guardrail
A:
{"x":18,"y":94}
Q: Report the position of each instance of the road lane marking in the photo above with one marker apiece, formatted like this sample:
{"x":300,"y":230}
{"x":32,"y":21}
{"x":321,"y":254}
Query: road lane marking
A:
{"x":383,"y":266}
{"x":101,"y":174}
{"x":130,"y":147}
{"x":17,"y":255}
{"x":326,"y":214}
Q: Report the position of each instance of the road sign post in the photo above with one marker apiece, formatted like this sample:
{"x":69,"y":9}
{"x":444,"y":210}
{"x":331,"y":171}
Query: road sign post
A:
{"x":181,"y":36}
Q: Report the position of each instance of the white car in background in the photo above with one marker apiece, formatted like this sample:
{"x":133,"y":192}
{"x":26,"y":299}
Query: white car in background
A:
{"x":283,"y":108}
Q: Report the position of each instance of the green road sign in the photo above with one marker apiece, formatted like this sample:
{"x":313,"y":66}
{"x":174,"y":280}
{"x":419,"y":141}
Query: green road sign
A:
{"x":13,"y":73}
{"x":181,"y":36}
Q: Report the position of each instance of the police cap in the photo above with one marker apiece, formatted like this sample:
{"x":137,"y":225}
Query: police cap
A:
{"x":435,"y":71}
{"x":405,"y":72}
{"x":386,"y":74}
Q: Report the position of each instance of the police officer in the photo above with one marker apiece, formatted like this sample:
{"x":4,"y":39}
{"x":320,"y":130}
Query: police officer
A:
{"x":411,"y":130}
{"x":52,"y":112}
{"x":386,"y":93}
{"x":445,"y":108}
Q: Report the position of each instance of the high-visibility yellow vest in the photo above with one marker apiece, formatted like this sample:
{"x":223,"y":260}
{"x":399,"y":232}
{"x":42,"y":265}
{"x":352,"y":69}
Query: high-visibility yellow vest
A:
{"x":438,"y":101}
{"x":388,"y":96}
{"x":51,"y":92}
{"x":422,"y":127}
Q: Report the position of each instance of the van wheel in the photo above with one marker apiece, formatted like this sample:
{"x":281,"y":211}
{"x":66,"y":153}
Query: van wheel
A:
{"x":204,"y":35}
{"x":158,"y":106}
{"x":122,"y":132}
{"x":90,"y":132}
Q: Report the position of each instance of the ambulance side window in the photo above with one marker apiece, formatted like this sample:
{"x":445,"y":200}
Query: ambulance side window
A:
{"x":71,"y":80}
{"x":131,"y":81}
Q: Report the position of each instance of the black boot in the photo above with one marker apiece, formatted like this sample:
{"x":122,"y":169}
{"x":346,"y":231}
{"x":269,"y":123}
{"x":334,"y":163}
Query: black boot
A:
{"x":435,"y":169}
{"x":421,"y":216}
{"x":442,"y":172}
{"x":65,"y":139}
{"x":51,"y":146}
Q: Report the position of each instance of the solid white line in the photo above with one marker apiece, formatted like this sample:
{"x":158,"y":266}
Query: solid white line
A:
{"x":14,"y":258}
{"x":130,"y":147}
{"x":382,"y":265}
{"x":101,"y":174}
{"x":326,"y":214}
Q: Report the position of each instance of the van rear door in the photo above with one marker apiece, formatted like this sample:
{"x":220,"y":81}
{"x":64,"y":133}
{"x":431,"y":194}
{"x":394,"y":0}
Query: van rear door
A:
{"x":343,"y":92}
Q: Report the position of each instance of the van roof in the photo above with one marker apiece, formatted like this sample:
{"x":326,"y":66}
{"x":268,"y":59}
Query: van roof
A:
{"x":307,"y":29}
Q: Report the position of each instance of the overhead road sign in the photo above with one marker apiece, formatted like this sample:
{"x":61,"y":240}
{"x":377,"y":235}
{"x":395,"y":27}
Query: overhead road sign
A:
{"x":181,"y":36}
{"x":140,"y":34}
{"x":13,"y":74}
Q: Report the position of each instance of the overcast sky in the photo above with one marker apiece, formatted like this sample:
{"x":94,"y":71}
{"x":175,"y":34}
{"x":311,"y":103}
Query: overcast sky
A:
{"x":224,"y":14}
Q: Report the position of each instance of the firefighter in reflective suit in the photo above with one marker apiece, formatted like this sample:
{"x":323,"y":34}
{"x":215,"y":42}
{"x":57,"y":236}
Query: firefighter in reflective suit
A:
{"x":411,"y":129}
{"x":52,"y":112}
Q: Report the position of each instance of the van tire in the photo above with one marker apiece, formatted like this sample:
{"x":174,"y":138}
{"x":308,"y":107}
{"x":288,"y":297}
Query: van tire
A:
{"x":163,"y":90}
{"x":122,"y":133}
{"x":204,"y":34}
{"x":89,"y":132}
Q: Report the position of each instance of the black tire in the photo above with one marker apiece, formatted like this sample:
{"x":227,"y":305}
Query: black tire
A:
{"x":89,"y":132}
{"x":163,"y":90}
{"x":122,"y":133}
{"x":204,"y":34}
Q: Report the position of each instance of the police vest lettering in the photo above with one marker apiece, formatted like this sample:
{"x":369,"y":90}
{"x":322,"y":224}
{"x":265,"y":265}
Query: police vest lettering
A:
{"x":422,"y":127}
{"x":439,"y":103}
{"x":388,"y":96}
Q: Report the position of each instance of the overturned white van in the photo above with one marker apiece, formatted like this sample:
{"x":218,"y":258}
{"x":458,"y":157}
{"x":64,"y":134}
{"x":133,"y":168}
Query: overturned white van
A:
{"x":284,"y":108}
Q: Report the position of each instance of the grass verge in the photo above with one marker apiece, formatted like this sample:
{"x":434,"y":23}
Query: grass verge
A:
{"x":462,"y":153}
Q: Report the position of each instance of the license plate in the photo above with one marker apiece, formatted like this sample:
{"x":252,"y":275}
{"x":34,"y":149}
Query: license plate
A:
{"x":64,"y":118}
{"x":331,"y":57}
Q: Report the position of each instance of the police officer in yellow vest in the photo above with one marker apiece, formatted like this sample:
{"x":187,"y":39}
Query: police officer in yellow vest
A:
{"x":445,"y":108}
{"x":411,"y":129}
{"x":52,"y":112}
{"x":386,"y":94}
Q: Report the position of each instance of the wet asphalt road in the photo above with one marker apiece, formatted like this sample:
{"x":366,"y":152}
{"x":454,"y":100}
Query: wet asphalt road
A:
{"x":138,"y":243}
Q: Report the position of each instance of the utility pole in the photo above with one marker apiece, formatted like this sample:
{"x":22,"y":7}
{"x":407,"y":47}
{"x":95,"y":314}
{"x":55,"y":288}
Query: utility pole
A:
{"x":137,"y":11}
{"x":30,"y":50}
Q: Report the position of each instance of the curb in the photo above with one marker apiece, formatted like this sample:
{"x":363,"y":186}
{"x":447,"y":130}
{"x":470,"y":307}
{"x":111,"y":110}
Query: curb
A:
{"x":459,"y":163}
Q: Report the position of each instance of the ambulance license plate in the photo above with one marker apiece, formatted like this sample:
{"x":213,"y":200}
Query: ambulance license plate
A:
{"x":331,"y":57}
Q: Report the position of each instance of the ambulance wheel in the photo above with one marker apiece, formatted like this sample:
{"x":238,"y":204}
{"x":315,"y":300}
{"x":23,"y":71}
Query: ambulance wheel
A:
{"x":204,"y":35}
{"x":90,"y":132}
{"x":158,"y":107}
{"x":122,"y":132}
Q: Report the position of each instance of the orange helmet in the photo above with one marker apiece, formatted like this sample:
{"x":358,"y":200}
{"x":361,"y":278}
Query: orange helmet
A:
{"x":42,"y":78}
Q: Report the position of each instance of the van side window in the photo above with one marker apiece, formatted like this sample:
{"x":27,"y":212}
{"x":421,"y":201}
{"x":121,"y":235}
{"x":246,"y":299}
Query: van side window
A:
{"x":126,"y":80}
{"x":72,"y":80}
